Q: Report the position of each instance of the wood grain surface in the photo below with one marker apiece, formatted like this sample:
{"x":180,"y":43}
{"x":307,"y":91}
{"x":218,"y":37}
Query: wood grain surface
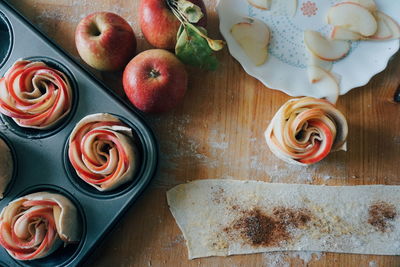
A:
{"x":218,"y":133}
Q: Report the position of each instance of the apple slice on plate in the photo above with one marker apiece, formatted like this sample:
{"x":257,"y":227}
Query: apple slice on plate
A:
{"x":325,"y":83}
{"x":329,"y":50}
{"x":315,"y":61}
{"x":388,"y":29}
{"x":386,"y":24}
{"x":312,"y":60}
{"x":291,"y":7}
{"x":339,"y":33}
{"x":384,"y":32}
{"x":261,"y":4}
{"x":353,"y":17}
{"x":253,"y":36}
{"x":369,"y":4}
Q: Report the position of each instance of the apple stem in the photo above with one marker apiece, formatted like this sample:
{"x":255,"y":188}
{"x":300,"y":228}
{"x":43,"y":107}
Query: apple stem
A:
{"x":172,"y":5}
{"x":94,"y":30}
{"x":154,"y":73}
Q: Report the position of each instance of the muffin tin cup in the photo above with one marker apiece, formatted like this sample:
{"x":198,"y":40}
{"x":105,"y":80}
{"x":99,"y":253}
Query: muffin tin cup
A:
{"x":15,"y":164}
{"x":32,"y":133}
{"x":42,"y":158}
{"x":63,"y":255}
{"x":125,"y":188}
{"x":6,"y":37}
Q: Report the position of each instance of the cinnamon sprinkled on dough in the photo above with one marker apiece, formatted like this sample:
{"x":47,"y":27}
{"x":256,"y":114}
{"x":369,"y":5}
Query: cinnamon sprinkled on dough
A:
{"x":379,"y":215}
{"x":261,"y":229}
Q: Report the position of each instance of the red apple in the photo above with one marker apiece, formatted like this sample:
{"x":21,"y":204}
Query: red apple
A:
{"x":155,"y":81}
{"x":159,"y":25}
{"x":105,"y":41}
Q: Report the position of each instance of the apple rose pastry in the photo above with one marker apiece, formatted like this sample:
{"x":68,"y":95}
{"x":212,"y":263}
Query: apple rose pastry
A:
{"x":306,"y":130}
{"x":35,"y":95}
{"x":34,"y":226}
{"x":102,"y":151}
{"x":6,"y":166}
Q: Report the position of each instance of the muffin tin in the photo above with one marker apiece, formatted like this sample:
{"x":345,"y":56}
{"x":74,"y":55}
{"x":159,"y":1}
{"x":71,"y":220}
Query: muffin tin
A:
{"x":41,"y":156}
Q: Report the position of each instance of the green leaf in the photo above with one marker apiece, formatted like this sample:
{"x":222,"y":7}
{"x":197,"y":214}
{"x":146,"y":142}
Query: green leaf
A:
{"x":192,"y":49}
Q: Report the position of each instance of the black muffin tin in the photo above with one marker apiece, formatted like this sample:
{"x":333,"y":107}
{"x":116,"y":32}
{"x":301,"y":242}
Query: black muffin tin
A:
{"x":41,"y":156}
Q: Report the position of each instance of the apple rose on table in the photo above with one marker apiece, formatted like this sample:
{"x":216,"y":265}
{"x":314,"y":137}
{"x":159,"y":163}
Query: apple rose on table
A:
{"x":34,"y":226}
{"x":35,"y":95}
{"x":305,"y":130}
{"x":102,"y":151}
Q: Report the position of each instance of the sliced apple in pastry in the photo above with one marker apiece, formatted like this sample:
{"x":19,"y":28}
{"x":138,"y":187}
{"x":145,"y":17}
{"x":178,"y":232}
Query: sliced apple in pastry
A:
{"x":306,"y":130}
{"x":102,"y":151}
{"x":35,"y":95}
{"x":35,"y":225}
{"x":253,"y":36}
{"x":329,"y":50}
{"x":261,"y":4}
{"x":339,"y":33}
{"x":353,"y":17}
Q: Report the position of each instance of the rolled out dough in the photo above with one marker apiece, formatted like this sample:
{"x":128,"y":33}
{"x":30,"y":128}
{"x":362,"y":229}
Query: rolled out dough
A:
{"x":227,"y":217}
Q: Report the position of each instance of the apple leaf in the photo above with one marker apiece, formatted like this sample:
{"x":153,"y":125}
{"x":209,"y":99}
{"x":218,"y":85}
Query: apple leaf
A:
{"x":192,"y":49}
{"x":189,"y":10}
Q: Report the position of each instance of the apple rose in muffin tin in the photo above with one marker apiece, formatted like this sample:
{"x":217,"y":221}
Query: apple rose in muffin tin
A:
{"x":35,"y":225}
{"x":102,"y":151}
{"x":6,"y":166}
{"x":306,"y":130}
{"x":35,"y":95}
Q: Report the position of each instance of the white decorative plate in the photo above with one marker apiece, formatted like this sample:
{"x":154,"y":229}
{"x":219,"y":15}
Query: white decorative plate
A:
{"x":286,"y":67}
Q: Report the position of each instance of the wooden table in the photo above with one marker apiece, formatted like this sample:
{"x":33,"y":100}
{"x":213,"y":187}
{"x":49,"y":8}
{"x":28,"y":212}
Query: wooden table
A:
{"x":218,"y":133}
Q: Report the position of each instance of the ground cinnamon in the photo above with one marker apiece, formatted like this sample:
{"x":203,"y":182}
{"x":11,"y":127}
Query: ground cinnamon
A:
{"x":380,"y":214}
{"x":261,"y":229}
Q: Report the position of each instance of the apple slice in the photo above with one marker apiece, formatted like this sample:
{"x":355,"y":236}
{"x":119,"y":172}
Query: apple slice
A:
{"x":312,"y":60}
{"x":291,"y":7}
{"x":384,"y":32}
{"x":313,"y":76}
{"x":257,"y":53}
{"x":315,"y":61}
{"x":261,"y":4}
{"x":323,"y":145}
{"x":390,"y":23}
{"x":325,"y":83}
{"x":253,"y":36}
{"x":353,"y":17}
{"x":339,"y":33}
{"x":369,"y":4}
{"x":329,"y":50}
